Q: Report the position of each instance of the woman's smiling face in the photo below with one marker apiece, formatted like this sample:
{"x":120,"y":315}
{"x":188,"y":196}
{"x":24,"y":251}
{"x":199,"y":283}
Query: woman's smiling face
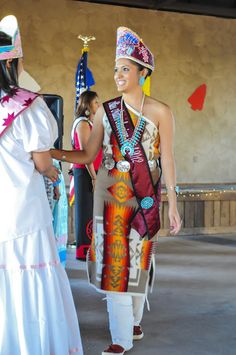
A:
{"x":126,"y":75}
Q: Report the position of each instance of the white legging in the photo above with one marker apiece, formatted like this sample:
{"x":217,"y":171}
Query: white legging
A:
{"x":124,"y":312}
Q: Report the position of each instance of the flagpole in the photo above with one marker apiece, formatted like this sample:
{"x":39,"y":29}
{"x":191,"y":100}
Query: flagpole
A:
{"x":80,"y":79}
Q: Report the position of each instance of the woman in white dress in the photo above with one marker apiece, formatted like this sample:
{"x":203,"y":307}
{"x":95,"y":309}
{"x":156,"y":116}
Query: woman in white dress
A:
{"x":37,"y":313}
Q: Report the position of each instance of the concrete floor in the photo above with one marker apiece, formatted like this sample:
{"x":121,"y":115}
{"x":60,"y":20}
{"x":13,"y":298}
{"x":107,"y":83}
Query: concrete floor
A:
{"x":193,"y":305}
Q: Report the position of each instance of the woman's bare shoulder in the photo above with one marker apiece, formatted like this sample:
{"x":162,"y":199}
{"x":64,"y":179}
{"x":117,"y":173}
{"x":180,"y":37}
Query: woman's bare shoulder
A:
{"x":82,"y":125}
{"x":157,"y":109}
{"x":157,"y":105}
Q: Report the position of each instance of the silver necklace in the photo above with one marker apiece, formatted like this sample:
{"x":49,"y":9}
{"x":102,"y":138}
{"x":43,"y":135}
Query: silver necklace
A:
{"x":128,"y":144}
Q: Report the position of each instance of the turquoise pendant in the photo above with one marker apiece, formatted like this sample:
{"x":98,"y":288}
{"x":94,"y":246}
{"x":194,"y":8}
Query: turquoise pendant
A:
{"x":147,"y":202}
{"x":127,"y":147}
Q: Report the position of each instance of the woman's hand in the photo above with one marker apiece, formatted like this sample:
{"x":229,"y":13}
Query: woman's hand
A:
{"x":43,"y":163}
{"x":52,"y":173}
{"x":175,"y":221}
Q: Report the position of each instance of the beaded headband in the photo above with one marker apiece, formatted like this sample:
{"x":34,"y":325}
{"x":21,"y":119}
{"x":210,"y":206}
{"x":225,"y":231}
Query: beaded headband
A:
{"x":130,"y":46}
{"x":9,"y":27}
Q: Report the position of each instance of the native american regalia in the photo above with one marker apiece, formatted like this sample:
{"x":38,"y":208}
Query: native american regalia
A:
{"x":37,"y":314}
{"x":126,"y":208}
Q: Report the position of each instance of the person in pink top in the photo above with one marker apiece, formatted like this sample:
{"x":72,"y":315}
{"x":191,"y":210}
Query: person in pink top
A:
{"x":84,"y":175}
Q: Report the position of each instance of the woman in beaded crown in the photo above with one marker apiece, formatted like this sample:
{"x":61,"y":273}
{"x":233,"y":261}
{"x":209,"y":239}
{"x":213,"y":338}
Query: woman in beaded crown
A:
{"x":136,"y":132}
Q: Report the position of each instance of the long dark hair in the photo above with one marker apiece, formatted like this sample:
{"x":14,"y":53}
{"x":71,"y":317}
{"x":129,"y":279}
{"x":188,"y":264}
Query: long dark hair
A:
{"x":8,"y":77}
{"x":85,"y":100}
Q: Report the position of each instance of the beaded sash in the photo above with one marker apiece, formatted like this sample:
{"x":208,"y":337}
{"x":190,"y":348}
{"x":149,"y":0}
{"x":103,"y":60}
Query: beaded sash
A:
{"x":12,"y":106}
{"x":146,"y":220}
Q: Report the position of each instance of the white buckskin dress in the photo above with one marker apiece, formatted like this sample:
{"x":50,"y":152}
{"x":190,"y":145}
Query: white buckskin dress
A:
{"x":37,"y":313}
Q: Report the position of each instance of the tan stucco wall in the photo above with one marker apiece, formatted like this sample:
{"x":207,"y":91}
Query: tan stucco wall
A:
{"x":190,"y":50}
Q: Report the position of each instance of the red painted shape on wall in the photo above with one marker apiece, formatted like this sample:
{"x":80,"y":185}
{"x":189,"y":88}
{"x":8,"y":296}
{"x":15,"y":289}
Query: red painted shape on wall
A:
{"x":197,"y":99}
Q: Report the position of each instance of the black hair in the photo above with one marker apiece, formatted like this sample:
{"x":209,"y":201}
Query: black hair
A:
{"x":141,"y":67}
{"x":85,"y":100}
{"x":8,"y":76}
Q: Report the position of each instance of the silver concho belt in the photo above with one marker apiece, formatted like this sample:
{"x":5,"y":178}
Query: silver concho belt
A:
{"x":123,"y":165}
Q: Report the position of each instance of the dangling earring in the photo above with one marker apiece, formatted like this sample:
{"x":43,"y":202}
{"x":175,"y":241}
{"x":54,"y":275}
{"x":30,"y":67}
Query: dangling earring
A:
{"x":141,"y":80}
{"x":87,"y":113}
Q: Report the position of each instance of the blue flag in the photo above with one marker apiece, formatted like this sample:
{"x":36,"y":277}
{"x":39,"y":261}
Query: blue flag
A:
{"x":84,"y":77}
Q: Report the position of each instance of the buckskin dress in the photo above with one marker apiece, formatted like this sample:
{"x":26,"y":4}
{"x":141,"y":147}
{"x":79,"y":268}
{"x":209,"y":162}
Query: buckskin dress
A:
{"x":119,"y":260}
{"x":37,"y":313}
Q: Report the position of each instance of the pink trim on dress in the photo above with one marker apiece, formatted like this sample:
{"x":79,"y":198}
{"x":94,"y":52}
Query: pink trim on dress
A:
{"x":13,"y":106}
{"x":33,"y":266}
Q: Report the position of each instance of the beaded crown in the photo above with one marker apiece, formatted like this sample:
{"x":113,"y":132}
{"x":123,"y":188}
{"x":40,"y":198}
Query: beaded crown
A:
{"x":130,"y":46}
{"x":9,"y":27}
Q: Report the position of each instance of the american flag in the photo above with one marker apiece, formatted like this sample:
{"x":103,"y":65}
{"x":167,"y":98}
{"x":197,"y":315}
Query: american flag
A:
{"x":83,"y":81}
{"x":83,"y":77}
